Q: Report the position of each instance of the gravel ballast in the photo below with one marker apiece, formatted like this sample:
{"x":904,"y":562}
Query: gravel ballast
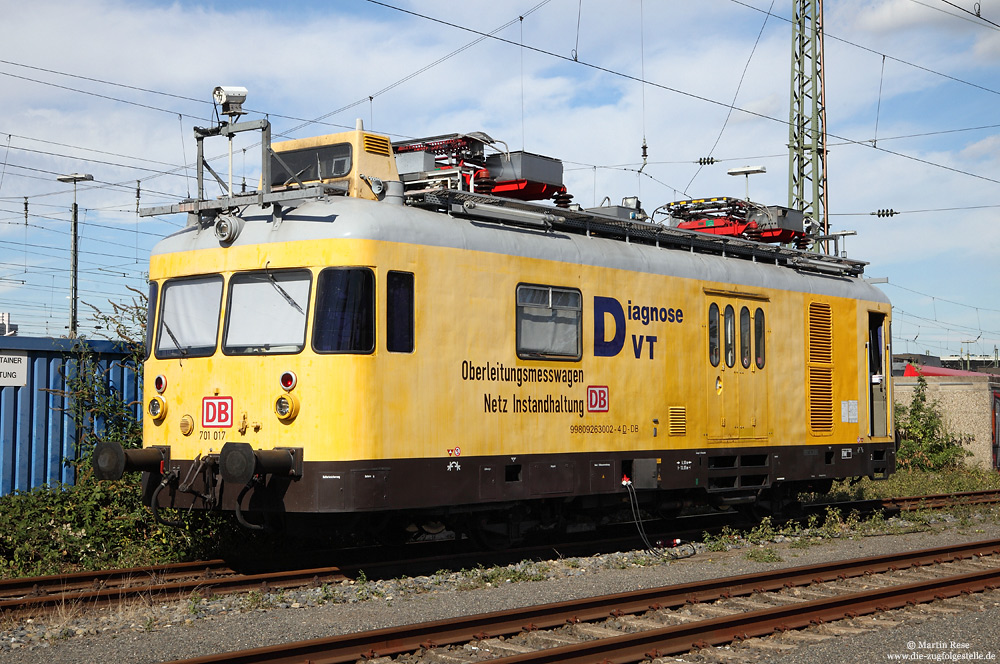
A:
{"x":176,"y":628}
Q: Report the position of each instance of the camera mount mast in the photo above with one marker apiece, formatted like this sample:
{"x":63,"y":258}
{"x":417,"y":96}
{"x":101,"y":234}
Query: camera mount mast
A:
{"x":204,"y":212}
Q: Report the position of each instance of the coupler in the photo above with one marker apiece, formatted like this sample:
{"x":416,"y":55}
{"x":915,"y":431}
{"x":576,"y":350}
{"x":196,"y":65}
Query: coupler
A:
{"x":111,"y":460}
{"x":240,"y":462}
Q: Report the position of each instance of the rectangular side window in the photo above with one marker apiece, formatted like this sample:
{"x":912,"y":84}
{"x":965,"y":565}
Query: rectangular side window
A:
{"x":399,"y":312}
{"x":151,"y":316}
{"x":345,"y":311}
{"x":549,"y":320}
{"x":189,"y":317}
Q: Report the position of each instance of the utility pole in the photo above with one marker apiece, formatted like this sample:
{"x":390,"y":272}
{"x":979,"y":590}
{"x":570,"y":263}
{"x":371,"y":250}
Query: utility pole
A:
{"x":807,"y":117}
{"x":74,"y":258}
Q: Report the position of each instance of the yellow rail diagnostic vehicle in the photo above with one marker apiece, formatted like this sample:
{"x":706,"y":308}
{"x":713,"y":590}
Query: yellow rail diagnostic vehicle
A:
{"x":399,"y":334}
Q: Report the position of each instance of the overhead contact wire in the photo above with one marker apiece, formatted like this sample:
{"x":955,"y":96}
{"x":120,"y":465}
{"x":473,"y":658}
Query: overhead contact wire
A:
{"x":692,"y":95}
{"x":736,"y":94}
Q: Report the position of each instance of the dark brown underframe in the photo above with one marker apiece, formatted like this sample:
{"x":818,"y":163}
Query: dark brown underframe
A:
{"x":463,"y":483}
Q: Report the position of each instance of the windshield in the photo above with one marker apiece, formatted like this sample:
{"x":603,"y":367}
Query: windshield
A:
{"x":267,"y":312}
{"x":189,"y":319}
{"x":310,"y":164}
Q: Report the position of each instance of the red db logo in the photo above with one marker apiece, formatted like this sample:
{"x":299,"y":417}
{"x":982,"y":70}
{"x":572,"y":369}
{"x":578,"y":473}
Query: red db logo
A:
{"x":597,"y":398}
{"x":217,"y":412}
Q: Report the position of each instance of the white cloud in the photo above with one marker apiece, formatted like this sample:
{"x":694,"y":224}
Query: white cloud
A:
{"x":322,"y":57}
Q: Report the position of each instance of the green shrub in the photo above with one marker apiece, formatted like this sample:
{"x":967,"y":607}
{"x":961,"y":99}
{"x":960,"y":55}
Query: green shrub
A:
{"x":925,"y":443}
{"x":98,"y":524}
{"x":922,"y":483}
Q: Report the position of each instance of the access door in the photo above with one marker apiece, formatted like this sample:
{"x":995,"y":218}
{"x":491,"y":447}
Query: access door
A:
{"x":878,"y":377}
{"x":737,"y":389}
{"x":996,"y":430}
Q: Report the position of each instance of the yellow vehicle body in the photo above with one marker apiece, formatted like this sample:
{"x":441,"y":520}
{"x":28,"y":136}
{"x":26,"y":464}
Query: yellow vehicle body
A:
{"x":492,"y":361}
{"x":462,"y":401}
{"x":440,"y":396}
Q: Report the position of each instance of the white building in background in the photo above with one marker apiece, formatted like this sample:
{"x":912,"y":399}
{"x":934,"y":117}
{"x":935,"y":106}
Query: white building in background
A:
{"x":7,"y":329}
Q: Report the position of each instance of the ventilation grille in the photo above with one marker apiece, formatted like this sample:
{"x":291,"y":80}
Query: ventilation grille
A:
{"x":819,"y":388}
{"x":820,"y":400}
{"x":377,"y":145}
{"x":677,"y":421}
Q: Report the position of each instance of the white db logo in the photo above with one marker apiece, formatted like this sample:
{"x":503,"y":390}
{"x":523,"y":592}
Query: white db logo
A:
{"x":216,"y":412}
{"x":597,"y":398}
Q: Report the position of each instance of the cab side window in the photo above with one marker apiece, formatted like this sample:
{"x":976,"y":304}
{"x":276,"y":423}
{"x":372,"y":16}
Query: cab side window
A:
{"x":399,"y":312}
{"x":150,"y":316}
{"x":345,"y":311}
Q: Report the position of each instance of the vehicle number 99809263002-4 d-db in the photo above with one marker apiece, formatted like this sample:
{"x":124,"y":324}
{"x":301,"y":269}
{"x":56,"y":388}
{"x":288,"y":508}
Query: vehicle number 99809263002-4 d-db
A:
{"x":622,"y":429}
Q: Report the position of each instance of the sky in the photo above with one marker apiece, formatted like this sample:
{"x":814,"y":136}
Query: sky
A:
{"x":114,"y":88}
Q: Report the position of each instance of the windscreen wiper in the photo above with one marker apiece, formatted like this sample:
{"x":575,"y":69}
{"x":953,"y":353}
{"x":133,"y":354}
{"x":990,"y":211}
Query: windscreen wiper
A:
{"x":177,"y":344}
{"x":296,"y":178}
{"x":288,"y":298}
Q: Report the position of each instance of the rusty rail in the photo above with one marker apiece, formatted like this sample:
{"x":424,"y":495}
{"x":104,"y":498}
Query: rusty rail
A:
{"x":681,"y":638}
{"x":935,"y":501}
{"x":398,"y":640}
{"x":10,"y":588}
{"x":107,"y":588}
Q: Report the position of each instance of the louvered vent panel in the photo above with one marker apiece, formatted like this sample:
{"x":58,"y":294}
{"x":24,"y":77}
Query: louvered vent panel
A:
{"x":377,"y":145}
{"x":821,"y":400}
{"x":819,"y":359}
{"x":820,"y":333}
{"x":677,"y":421}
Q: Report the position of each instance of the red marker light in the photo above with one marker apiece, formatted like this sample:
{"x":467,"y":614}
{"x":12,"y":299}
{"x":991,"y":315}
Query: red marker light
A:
{"x":160,"y":383}
{"x":287,"y":381}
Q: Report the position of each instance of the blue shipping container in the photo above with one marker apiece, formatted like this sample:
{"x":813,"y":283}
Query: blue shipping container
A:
{"x":37,"y":432}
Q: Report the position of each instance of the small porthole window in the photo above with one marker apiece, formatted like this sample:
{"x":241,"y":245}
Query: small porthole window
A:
{"x":745,"y":337}
{"x":730,"y":336}
{"x":759,"y":336}
{"x":713,"y":334}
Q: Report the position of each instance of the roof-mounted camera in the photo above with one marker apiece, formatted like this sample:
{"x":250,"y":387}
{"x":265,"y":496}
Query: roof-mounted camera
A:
{"x":231,"y":98}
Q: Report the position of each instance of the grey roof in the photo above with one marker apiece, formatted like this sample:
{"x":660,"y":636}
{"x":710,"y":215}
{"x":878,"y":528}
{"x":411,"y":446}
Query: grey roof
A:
{"x":724,"y":260}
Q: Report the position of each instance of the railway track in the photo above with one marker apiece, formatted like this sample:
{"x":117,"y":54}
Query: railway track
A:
{"x":36,"y":595}
{"x":942,"y":500}
{"x":105,"y":588}
{"x":648,"y":624}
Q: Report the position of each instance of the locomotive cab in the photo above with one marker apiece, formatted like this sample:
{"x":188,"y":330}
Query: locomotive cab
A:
{"x":360,"y":160}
